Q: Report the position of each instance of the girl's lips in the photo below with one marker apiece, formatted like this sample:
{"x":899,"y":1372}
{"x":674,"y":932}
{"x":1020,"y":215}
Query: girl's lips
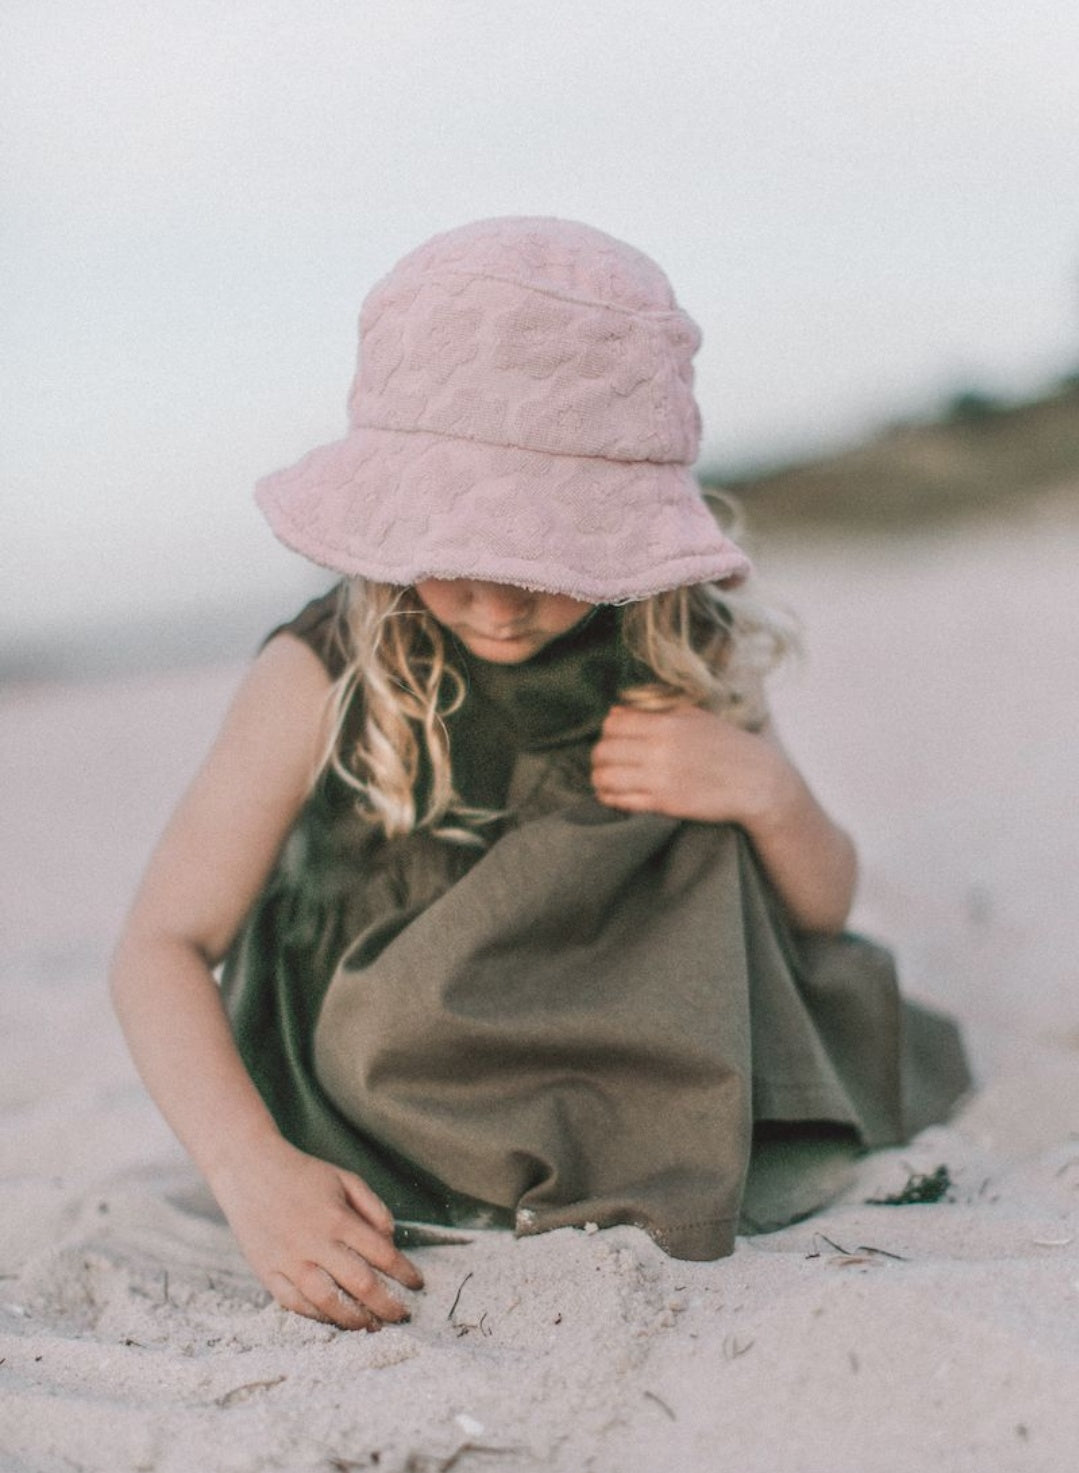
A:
{"x":499,"y":638}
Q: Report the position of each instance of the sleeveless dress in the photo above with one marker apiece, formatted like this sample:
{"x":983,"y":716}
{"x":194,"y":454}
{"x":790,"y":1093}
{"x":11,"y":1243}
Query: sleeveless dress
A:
{"x":598,"y":1017}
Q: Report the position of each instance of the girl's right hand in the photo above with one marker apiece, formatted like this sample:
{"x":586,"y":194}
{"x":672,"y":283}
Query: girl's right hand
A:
{"x":315,"y":1234}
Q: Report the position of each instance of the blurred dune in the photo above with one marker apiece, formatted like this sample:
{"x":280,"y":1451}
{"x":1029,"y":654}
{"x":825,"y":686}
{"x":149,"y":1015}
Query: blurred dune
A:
{"x":981,"y":458}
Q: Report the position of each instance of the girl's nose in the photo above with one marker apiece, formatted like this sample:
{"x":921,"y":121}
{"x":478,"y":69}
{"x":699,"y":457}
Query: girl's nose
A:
{"x":500,"y":601}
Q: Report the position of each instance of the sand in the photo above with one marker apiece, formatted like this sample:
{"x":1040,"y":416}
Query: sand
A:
{"x":937,"y":715}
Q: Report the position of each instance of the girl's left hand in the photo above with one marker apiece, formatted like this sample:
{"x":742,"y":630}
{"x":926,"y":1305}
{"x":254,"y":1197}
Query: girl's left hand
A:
{"x":689,"y":763}
{"x":692,"y":764}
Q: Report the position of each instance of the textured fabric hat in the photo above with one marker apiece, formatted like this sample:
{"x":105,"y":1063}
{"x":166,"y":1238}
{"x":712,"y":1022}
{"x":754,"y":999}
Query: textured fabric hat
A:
{"x":522,"y":413}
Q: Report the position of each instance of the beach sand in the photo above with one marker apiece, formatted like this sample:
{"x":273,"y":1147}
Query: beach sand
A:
{"x":937,"y":716}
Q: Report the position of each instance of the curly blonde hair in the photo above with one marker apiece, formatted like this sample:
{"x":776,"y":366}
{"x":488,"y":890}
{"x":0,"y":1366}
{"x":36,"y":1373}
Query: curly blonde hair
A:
{"x":704,"y":644}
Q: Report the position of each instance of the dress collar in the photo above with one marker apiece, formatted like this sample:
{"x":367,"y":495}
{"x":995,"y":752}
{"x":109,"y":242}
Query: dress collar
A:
{"x":561,"y":693}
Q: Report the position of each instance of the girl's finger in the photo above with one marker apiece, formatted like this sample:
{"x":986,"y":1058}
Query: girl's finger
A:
{"x":624,"y":777}
{"x":610,"y":751}
{"x":352,"y":1272}
{"x":624,"y":721}
{"x":629,"y":801}
{"x":332,"y":1302}
{"x":380,"y":1251}
{"x":288,"y":1296}
{"x":367,"y":1203}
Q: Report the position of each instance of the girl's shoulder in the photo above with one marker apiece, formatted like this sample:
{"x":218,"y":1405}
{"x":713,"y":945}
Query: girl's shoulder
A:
{"x":322,"y":625}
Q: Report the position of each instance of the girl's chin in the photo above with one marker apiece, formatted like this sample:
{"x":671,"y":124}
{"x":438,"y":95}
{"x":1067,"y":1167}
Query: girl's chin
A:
{"x":503,"y":651}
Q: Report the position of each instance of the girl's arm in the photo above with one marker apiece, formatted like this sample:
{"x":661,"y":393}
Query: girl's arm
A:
{"x":691,"y":763}
{"x":312,"y":1232}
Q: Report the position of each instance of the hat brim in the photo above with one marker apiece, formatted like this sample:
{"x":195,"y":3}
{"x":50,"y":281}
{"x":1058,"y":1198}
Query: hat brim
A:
{"x":399,"y":507}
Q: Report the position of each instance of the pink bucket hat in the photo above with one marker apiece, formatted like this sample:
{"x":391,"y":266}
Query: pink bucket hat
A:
{"x":522,"y":413}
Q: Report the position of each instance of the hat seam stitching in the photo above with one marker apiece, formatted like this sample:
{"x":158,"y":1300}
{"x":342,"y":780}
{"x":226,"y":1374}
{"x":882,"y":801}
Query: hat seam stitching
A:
{"x":652,"y":313}
{"x":512,"y":445}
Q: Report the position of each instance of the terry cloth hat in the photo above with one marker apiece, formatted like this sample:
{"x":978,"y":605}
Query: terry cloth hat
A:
{"x":522,"y":413}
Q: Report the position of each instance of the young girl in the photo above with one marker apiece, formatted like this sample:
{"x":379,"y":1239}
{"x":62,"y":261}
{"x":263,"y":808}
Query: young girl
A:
{"x":526,"y":918}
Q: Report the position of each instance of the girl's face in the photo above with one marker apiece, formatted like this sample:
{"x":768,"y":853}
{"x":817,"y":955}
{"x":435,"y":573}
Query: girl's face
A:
{"x":497,"y":621}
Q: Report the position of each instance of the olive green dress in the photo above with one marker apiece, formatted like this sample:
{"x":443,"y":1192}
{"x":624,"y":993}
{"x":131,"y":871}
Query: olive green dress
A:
{"x":597,"y":1017}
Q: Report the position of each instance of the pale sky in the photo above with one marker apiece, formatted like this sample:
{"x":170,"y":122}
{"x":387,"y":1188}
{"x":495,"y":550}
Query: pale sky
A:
{"x":865,"y":204}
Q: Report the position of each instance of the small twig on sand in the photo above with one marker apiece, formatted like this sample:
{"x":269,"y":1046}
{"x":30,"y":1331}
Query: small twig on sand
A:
{"x":474,"y":1447}
{"x":651,"y":1395}
{"x":241,"y":1393}
{"x":831,"y":1244}
{"x":429,"y":1463}
{"x":457,"y":1296}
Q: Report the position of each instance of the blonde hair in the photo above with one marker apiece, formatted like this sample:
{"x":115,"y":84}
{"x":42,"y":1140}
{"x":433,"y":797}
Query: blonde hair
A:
{"x":704,"y":644}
